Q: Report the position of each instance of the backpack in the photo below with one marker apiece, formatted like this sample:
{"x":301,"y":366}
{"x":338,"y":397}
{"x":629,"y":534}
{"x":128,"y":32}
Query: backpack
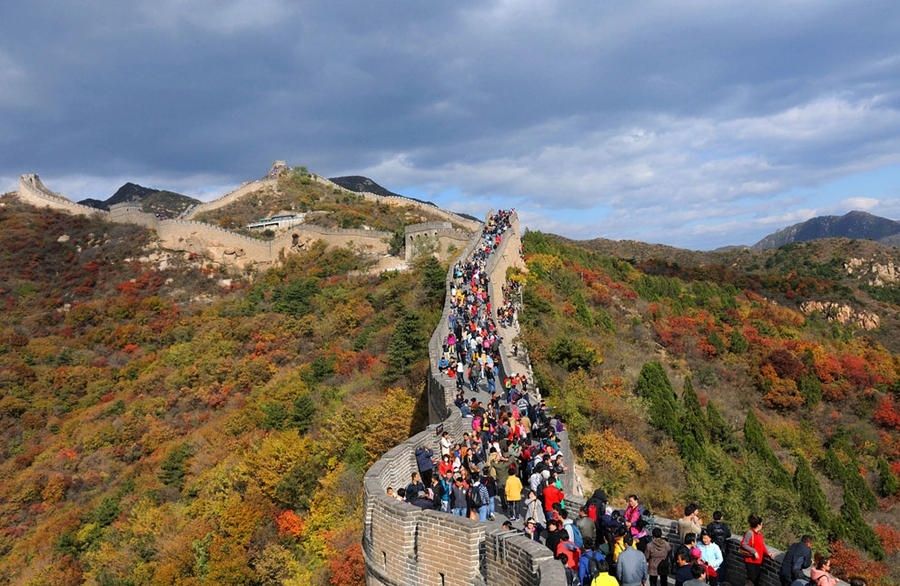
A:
{"x":593,"y":567}
{"x":475,"y":496}
{"x":576,"y":535}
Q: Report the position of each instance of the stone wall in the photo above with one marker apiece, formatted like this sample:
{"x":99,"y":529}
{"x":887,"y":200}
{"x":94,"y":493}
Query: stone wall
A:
{"x":405,"y":545}
{"x":33,"y":191}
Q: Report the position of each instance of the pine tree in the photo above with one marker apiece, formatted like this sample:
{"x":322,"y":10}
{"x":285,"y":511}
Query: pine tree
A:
{"x":719,"y":431}
{"x":887,"y":481}
{"x":810,"y":491}
{"x":655,"y":386}
{"x":756,"y":442}
{"x":693,"y":434}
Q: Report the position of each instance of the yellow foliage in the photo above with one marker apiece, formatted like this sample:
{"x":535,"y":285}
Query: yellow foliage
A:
{"x":616,"y":460}
{"x":278,"y":454}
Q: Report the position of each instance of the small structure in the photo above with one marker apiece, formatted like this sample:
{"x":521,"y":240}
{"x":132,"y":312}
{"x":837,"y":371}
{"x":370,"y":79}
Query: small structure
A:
{"x":277,"y":222}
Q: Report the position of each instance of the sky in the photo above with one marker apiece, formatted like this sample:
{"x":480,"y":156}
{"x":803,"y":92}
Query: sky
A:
{"x":692,"y":123}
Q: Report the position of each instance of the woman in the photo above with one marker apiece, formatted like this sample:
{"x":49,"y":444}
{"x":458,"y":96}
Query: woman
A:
{"x":534,"y":509}
{"x":753,"y":548}
{"x":711,"y":556}
{"x":657,"y":554}
{"x":819,"y":574}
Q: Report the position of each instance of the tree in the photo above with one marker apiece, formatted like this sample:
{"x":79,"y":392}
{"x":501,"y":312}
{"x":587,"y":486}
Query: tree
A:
{"x":693,"y":435}
{"x":756,"y":442}
{"x":655,"y":386}
{"x":407,"y":345}
{"x":887,"y":481}
{"x":811,"y":495}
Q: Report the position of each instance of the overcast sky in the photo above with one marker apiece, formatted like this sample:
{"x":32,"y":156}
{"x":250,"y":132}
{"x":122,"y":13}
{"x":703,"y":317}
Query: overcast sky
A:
{"x":697,"y":124}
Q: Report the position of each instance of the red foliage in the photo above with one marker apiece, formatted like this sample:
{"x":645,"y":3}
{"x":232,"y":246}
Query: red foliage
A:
{"x":890,"y":538}
{"x":348,"y":567}
{"x":887,"y":413}
{"x":847,"y":561}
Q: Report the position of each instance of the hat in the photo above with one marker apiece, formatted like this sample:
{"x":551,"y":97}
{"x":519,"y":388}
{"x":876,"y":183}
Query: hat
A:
{"x":696,"y":553}
{"x":545,"y":474}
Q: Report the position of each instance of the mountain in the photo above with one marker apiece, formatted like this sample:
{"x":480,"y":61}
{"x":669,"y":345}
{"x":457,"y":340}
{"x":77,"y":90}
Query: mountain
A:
{"x":153,"y":201}
{"x":361,"y":184}
{"x":855,"y":224}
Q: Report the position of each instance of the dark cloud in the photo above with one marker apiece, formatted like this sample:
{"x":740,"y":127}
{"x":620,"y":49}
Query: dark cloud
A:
{"x":697,"y":124}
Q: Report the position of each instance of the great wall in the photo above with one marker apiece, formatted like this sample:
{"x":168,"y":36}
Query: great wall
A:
{"x":402,"y":544}
{"x":405,"y":546}
{"x":244,"y":252}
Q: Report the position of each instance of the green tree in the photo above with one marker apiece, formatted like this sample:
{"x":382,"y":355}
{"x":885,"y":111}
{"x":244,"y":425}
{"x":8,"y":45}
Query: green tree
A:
{"x":810,"y":491}
{"x":887,"y":481}
{"x":173,"y":469}
{"x":407,"y":345}
{"x":756,"y":442}
{"x":693,"y":435}
{"x":654,"y":385}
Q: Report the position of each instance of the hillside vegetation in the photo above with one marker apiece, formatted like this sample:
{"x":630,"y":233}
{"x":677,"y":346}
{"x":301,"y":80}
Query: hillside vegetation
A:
{"x":329,"y":207}
{"x":703,"y":382}
{"x":163,"y":423}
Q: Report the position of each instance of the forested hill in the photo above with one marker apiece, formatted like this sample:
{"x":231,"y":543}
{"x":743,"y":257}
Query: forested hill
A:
{"x":165,"y":420}
{"x":742,"y":381}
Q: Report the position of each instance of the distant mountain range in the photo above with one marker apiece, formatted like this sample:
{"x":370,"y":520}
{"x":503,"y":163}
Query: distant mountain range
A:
{"x":856,"y":224}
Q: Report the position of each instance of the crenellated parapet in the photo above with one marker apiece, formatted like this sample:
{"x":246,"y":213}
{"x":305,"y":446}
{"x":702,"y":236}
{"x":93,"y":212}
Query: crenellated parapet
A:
{"x":439,"y":239}
{"x":33,"y":191}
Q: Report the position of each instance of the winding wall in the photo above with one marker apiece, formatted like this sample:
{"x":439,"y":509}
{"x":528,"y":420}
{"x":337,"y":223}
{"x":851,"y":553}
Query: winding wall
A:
{"x":404,"y":545}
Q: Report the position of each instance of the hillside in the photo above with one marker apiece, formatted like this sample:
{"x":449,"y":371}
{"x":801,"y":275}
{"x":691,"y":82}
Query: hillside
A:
{"x":684,"y":379}
{"x":165,"y":420}
{"x":332,"y":207}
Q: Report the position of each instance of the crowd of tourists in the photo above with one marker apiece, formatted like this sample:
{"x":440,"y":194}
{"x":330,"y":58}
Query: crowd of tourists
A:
{"x":510,"y":463}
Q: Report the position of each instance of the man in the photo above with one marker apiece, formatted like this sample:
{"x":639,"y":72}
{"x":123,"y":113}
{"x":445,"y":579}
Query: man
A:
{"x":414,"y":487}
{"x":698,"y":576}
{"x":481,"y":499}
{"x":797,"y":558}
{"x":720,"y":533}
{"x":555,"y":535}
{"x":424,"y":455}
{"x":691,"y":522}
{"x":589,"y":563}
{"x":446,"y":444}
{"x":631,"y":567}
{"x":587,"y":527}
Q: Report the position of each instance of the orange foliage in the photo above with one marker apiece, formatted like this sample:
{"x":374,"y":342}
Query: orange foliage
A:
{"x":289,"y":524}
{"x":348,"y":567}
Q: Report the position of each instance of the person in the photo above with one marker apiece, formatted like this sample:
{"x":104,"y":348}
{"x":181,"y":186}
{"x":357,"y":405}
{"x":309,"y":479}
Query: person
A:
{"x":555,"y":535}
{"x":481,"y":499}
{"x":422,"y":501}
{"x":691,"y":522}
{"x":753,"y":548}
{"x":604,"y":578}
{"x":458,"y":501}
{"x":711,"y":556}
{"x":589,"y":564}
{"x":571,"y":576}
{"x":631,"y":566}
{"x":425,"y":463}
{"x":415,"y":485}
{"x":720,"y":533}
{"x":446,"y":444}
{"x":797,"y":558}
{"x":534,"y":509}
{"x":513,"y":491}
{"x":587,"y":527}
{"x":657,"y":554}
{"x":698,"y":575}
{"x":632,"y":515}
{"x":682,"y":567}
{"x":820,"y":575}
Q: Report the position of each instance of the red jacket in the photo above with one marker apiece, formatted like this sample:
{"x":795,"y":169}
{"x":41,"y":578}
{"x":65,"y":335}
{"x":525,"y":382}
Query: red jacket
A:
{"x":757,"y":543}
{"x":552,"y":495}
